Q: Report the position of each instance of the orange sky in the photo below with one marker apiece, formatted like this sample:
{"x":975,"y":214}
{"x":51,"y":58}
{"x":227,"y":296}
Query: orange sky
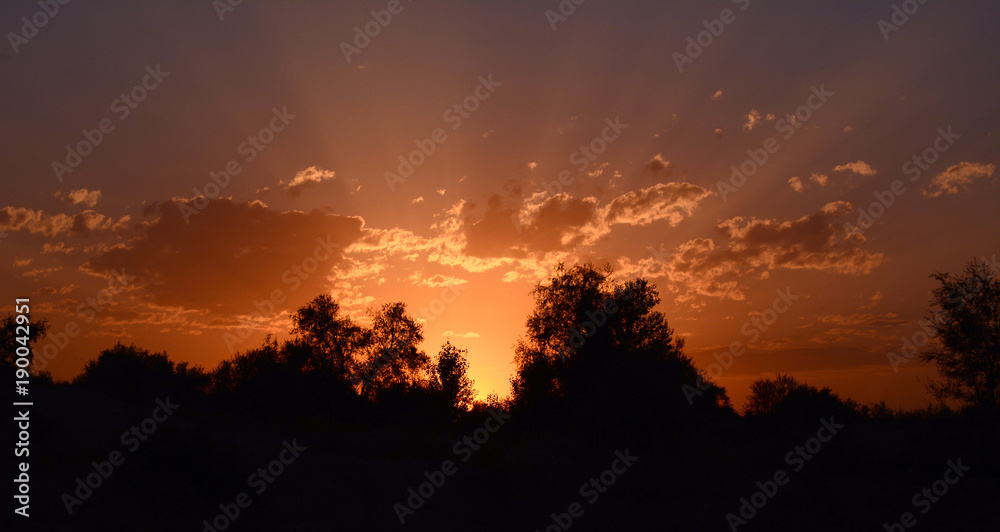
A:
{"x":529,"y":145}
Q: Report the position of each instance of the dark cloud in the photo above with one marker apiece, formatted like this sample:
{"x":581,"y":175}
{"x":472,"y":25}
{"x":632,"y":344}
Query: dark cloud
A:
{"x":554,"y":224}
{"x":658,"y":168}
{"x":230,"y":254}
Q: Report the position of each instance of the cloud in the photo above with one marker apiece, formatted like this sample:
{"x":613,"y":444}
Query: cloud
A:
{"x":798,"y":185}
{"x":716,"y":96}
{"x":453,"y":334}
{"x":820,"y":179}
{"x":752,"y":247}
{"x":230,"y":255}
{"x":39,"y":223}
{"x":416,"y":200}
{"x":436,"y":281}
{"x":308,"y":177}
{"x":527,"y":235}
{"x":717,"y":133}
{"x":957,"y":178}
{"x":857,"y":167}
{"x":58,"y":247}
{"x":662,"y":201}
{"x":752,"y":119}
{"x":521,"y":227}
{"x":87,"y":197}
{"x":657,"y":168}
{"x":537,"y":225}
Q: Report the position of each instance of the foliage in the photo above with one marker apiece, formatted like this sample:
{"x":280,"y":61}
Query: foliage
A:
{"x":333,"y":338}
{"x":787,"y":397}
{"x":392,"y":358}
{"x":593,"y":343}
{"x":967,"y":327}
{"x":449,"y":378}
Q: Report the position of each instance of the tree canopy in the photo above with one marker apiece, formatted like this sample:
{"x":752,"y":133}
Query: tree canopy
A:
{"x":967,"y":328}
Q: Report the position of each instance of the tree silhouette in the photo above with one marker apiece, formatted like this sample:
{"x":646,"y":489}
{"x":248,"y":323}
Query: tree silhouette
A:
{"x":392,"y":358}
{"x":334,"y":339}
{"x":967,"y":327}
{"x":448,"y":377}
{"x":595,"y":342}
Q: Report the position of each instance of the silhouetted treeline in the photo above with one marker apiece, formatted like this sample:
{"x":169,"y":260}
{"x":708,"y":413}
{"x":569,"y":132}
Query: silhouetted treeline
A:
{"x":599,"y":374}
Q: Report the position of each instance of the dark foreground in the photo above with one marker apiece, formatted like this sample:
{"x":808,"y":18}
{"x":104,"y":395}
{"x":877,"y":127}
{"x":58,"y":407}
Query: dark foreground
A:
{"x":289,"y":471}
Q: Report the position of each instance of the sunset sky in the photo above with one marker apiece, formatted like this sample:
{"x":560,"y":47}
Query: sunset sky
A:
{"x":306,"y":124}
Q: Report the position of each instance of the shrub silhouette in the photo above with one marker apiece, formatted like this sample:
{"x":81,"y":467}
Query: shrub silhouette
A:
{"x":785,"y":397}
{"x":135,"y":374}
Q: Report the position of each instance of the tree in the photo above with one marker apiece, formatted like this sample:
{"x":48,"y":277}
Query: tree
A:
{"x":448,"y":377}
{"x":594,"y":341}
{"x":9,"y":334}
{"x":967,"y":328}
{"x":392,"y":357}
{"x":768,"y":395}
{"x":335,"y":339}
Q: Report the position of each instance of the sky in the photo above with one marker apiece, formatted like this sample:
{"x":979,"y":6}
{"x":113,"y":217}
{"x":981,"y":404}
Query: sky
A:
{"x":184,"y":175}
